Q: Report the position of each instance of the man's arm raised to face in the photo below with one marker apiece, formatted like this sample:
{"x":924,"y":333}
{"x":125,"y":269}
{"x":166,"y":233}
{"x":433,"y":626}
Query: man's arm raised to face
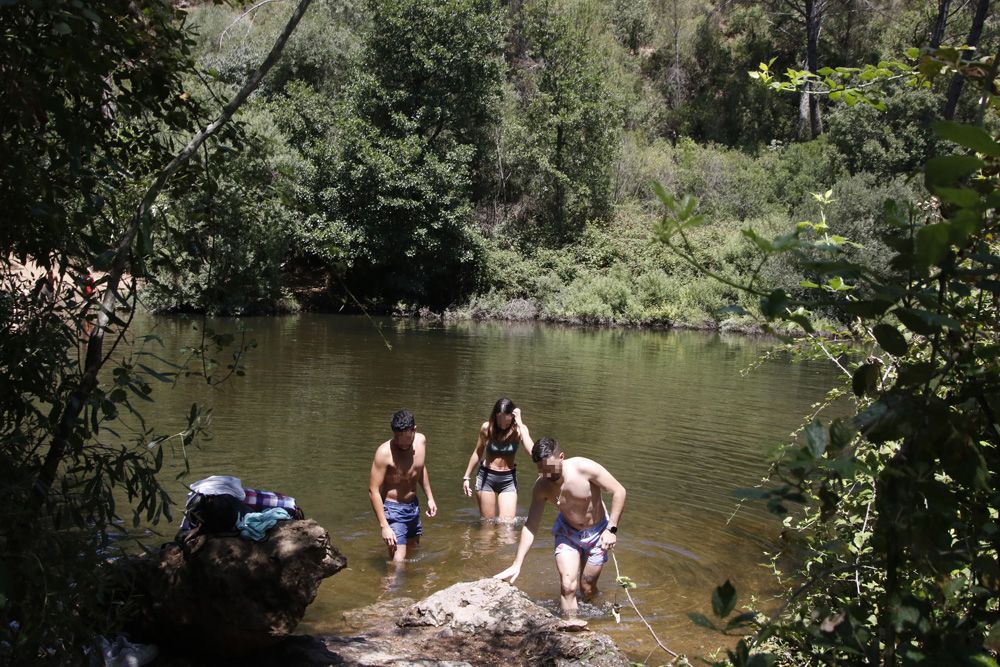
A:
{"x":375,"y":481}
{"x":527,"y":532}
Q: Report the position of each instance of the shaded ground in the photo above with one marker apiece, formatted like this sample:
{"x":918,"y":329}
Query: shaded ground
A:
{"x":486,"y":623}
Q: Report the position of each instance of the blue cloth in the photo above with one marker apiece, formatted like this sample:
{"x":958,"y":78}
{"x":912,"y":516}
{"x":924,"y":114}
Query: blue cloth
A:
{"x":256,"y":524}
{"x":403,"y":518}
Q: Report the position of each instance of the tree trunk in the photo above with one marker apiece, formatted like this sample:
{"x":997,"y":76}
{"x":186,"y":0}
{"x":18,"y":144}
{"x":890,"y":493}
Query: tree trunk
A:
{"x":805,"y":126}
{"x":676,"y":77}
{"x":810,"y":123}
{"x":955,"y":89}
{"x":815,"y":121}
{"x":814,"y":18}
{"x":95,"y":347}
{"x":984,"y":100}
{"x":560,"y":189}
{"x":846,"y":42}
{"x":939,"y":25}
{"x":518,"y":41}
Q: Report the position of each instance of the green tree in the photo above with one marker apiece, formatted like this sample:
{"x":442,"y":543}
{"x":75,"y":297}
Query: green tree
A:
{"x":78,"y":129}
{"x":631,"y":19}
{"x":894,"y":141}
{"x":718,"y":106}
{"x":222,"y":243}
{"x":89,"y":132}
{"x":321,"y":53}
{"x":896,"y":535}
{"x":564,"y":140}
{"x":255,"y":225}
{"x":408,"y":140}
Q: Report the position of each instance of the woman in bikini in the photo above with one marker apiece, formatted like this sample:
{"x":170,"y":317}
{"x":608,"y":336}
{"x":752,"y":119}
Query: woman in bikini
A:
{"x":498,"y":442}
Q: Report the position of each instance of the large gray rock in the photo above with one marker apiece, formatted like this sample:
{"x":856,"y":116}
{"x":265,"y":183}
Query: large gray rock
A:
{"x":480,"y":623}
{"x":489,"y":605}
{"x":229,"y":595}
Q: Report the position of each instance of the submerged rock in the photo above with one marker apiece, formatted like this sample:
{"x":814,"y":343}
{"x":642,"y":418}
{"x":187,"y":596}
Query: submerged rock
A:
{"x":229,"y":595}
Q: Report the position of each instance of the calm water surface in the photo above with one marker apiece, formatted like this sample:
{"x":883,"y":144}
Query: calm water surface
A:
{"x":670,"y":414}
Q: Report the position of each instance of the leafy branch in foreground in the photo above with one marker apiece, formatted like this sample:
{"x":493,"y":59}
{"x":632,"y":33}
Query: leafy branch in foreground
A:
{"x":723,"y":604}
{"x":891,"y":556}
{"x":90,"y":131}
{"x":866,"y":84}
{"x":628,"y":586}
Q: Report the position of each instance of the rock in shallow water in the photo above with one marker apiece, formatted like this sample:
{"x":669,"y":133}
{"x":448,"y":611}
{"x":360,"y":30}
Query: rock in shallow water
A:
{"x":486,"y":622}
{"x":232,"y":596}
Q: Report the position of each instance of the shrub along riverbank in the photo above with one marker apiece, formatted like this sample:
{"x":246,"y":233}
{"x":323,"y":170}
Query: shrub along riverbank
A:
{"x":492,"y":161}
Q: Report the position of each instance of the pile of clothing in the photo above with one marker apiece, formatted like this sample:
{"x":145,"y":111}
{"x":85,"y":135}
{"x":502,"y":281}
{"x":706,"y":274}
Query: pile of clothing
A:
{"x":220,"y":504}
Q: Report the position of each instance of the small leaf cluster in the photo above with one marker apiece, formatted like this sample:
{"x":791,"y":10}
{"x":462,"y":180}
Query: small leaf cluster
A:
{"x":851,"y":85}
{"x":723,"y":604}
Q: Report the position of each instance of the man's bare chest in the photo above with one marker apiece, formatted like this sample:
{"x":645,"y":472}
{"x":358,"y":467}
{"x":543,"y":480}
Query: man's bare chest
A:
{"x":572,"y":495}
{"x":403,"y":470}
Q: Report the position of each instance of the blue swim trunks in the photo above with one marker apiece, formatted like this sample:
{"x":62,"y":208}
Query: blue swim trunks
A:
{"x":404,"y":519}
{"x":586,"y":542}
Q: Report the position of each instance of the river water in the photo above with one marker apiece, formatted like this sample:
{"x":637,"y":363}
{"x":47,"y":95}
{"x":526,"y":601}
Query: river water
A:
{"x":673,"y":415}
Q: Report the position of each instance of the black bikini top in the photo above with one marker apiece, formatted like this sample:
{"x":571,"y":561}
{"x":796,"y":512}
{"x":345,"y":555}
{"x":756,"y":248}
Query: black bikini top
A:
{"x":502,"y":448}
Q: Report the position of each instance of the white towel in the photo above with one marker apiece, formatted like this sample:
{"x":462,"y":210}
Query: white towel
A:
{"x":220,"y":485}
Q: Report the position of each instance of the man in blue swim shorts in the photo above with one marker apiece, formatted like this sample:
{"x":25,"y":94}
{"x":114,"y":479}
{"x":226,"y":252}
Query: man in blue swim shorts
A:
{"x":398,"y":469}
{"x":584,"y":529}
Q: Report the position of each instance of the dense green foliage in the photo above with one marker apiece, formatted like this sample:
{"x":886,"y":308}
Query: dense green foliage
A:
{"x":67,"y":145}
{"x":95,"y":108}
{"x":415,"y":123}
{"x":494,"y":160}
{"x":78,"y":133}
{"x":890,"y":552}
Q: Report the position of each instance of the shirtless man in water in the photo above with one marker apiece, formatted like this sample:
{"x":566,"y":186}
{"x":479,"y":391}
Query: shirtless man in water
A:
{"x":584,"y":530}
{"x":397,"y":470}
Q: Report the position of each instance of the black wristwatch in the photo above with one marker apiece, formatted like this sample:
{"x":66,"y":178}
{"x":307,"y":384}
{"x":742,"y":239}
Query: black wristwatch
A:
{"x":613,"y":530}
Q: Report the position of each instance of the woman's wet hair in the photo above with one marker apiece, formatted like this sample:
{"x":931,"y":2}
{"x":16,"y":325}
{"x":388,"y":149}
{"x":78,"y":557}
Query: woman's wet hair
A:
{"x":503,"y":406}
{"x":544,"y":448}
{"x":403,"y":421}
